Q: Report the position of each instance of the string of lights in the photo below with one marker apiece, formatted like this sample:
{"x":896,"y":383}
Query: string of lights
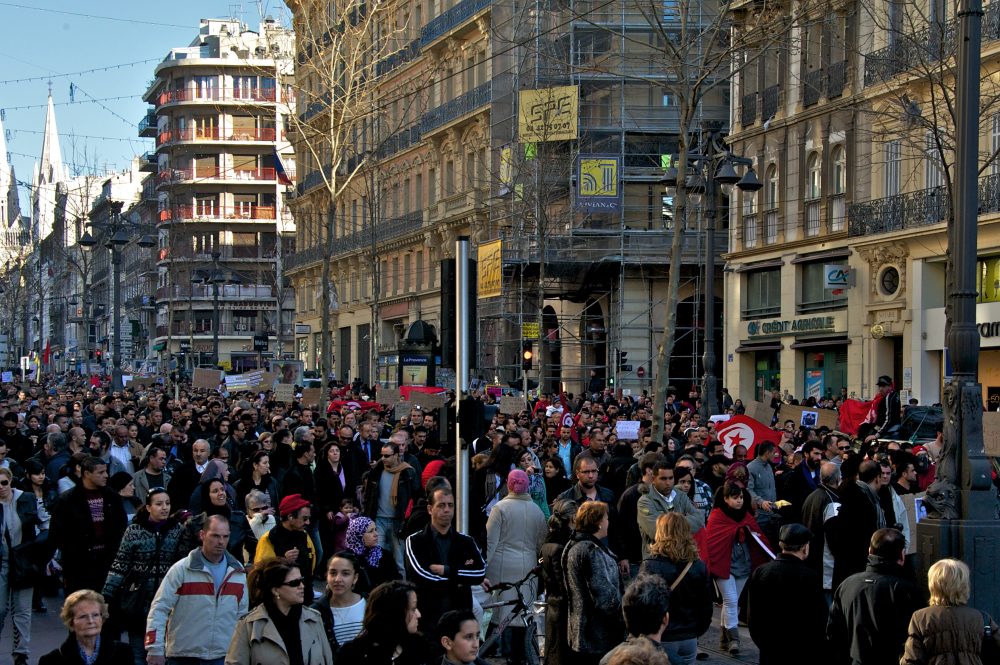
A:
{"x":85,"y":71}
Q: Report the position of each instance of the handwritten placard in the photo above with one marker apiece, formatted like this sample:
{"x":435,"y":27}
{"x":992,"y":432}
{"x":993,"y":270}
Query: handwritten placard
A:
{"x":311,"y":395}
{"x":511,"y":405}
{"x":206,"y":378}
{"x":237,"y":382}
{"x":627,"y":429}
{"x":284,"y":392}
{"x":387,"y":395}
{"x":428,"y":401}
{"x":496,"y":391}
{"x":991,"y":433}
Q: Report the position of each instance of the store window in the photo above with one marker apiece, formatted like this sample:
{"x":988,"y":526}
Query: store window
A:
{"x":815,"y":297}
{"x":988,"y":279}
{"x":763,"y":294}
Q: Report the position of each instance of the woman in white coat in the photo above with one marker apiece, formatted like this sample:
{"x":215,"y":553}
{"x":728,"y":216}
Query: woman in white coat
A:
{"x":515,"y":532}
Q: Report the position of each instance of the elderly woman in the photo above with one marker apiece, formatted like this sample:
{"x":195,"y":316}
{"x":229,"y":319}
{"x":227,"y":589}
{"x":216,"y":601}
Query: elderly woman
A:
{"x":260,"y":519}
{"x":949,"y":631}
{"x":377,"y":566}
{"x":84,"y":613}
{"x":593,"y":597}
{"x":515,"y":532}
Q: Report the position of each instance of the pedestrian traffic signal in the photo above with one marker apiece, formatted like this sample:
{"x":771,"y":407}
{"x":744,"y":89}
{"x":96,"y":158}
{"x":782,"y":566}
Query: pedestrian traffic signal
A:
{"x":526,"y":355}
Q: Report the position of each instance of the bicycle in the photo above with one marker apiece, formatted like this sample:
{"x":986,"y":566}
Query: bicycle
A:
{"x":521,"y":610}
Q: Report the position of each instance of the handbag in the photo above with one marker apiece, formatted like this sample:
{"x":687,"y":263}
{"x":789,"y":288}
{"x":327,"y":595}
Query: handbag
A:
{"x":130,"y":593}
{"x":989,"y":653}
{"x":681,"y":576}
{"x":22,"y":572}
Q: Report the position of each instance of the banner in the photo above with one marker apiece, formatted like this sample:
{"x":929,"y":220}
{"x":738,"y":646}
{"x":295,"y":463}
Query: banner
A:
{"x":597,"y":187}
{"x":490,"y":266}
{"x":506,"y":169}
{"x":548,"y":115}
{"x":746,"y":432}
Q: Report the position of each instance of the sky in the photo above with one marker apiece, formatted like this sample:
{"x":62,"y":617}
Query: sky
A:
{"x":46,"y":38}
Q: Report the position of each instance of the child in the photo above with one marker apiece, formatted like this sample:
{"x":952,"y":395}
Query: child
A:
{"x":459,"y":632}
{"x":348,"y":509}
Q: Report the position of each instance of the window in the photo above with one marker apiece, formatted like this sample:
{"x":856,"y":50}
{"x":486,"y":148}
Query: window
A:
{"x":814,"y":296}
{"x":995,"y":144}
{"x":763,"y":293}
{"x":206,"y":87}
{"x":988,"y":279}
{"x":431,"y":187}
{"x":893,"y":164}
{"x":888,"y":281}
{"x":814,"y":186}
{"x":839,"y":170}
{"x":933,"y":173}
{"x":772,"y":193}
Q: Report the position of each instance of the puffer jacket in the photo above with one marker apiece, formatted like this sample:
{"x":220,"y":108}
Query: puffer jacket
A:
{"x":256,"y":640}
{"x":942,"y":635}
{"x":593,"y":600}
{"x":690,"y":602}
{"x":202,"y":620}
{"x":148,"y":554}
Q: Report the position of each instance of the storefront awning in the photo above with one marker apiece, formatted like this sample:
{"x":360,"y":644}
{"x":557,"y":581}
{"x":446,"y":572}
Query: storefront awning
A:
{"x":834,"y":254}
{"x":760,"y":266}
{"x":160,"y":346}
{"x":760,"y":347}
{"x":813,"y":344}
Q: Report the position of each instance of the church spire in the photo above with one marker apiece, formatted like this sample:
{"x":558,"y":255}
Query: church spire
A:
{"x":51,"y":170}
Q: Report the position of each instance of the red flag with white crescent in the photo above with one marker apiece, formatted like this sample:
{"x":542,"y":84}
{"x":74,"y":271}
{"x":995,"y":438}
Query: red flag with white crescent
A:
{"x":746,"y":432}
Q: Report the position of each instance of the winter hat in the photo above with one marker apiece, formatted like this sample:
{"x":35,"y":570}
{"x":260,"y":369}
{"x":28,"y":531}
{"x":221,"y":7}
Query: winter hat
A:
{"x":291,"y":503}
{"x":119,"y":481}
{"x":517,"y":482}
{"x":432,"y":469}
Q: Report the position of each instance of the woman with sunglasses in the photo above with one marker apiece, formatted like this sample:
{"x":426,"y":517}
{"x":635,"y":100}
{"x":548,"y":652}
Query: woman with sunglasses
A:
{"x":280,"y":629}
{"x":150,"y":546}
{"x":20,"y":527}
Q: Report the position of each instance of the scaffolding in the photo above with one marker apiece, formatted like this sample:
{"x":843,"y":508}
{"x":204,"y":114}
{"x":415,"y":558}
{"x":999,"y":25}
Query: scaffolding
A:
{"x":604,"y":275}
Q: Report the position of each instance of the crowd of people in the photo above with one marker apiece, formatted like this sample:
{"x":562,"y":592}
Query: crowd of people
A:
{"x":207,"y":527}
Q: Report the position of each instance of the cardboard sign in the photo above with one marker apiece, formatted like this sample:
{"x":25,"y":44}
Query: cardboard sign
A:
{"x":7,"y":377}
{"x":387,"y":395}
{"x":261,"y":378}
{"x":803,"y":417}
{"x":311,"y":395}
{"x":284,"y":392}
{"x":762,"y":413}
{"x":206,"y":378}
{"x":237,"y":382}
{"x":511,"y":405}
{"x":991,"y":433}
{"x":427,"y":401}
{"x":627,"y":429}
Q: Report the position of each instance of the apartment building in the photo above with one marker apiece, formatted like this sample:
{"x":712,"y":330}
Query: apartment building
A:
{"x":222,"y":164}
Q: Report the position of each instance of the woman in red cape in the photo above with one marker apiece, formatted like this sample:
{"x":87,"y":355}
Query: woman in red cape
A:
{"x":734,"y":546}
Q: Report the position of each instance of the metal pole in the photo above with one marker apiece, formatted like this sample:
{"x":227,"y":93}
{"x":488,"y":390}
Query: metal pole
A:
{"x":709,"y":406}
{"x":462,"y":365}
{"x":215,"y":310}
{"x":115,"y":332}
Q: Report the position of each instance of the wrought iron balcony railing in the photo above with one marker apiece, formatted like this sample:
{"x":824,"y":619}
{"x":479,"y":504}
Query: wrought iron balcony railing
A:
{"x":770,"y":102}
{"x":398,"y":59}
{"x":457,"y":107}
{"x":399,"y":141}
{"x":451,"y":19}
{"x":386,"y":230}
{"x":748,"y":110}
{"x":812,"y":87}
{"x":836,"y":79}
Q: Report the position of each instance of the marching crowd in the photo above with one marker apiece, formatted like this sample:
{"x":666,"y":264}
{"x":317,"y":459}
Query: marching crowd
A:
{"x":197,"y":526}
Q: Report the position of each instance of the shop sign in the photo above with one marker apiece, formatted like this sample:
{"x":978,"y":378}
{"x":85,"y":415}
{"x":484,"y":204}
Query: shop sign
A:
{"x":836,"y":276}
{"x":812,"y":324}
{"x":989,"y":329}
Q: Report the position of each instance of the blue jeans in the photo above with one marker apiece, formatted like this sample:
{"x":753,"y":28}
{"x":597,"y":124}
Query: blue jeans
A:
{"x":685,"y":650}
{"x":389,"y":541}
{"x":313,"y":532}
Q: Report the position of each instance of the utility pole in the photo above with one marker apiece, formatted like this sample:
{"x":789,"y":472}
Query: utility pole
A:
{"x":962,"y":503}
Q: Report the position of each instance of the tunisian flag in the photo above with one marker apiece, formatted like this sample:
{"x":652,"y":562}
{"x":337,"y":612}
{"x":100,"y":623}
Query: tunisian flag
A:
{"x":746,"y":432}
{"x":353,"y":404}
{"x":854,"y":413}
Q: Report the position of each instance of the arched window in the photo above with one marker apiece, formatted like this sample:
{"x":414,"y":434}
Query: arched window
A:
{"x":839,"y":170}
{"x":771,"y":193}
{"x":814,"y":185}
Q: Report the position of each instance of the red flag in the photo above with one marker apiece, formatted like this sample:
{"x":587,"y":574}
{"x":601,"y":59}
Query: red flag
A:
{"x":567,"y":419}
{"x":48,"y":352}
{"x":854,"y":412}
{"x":746,"y":432}
{"x":354,"y":404}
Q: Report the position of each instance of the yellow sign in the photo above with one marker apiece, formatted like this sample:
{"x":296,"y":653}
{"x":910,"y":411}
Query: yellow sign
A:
{"x":548,"y":115}
{"x":599,"y":177}
{"x":529,"y":330}
{"x":226,"y":365}
{"x":490,"y":267}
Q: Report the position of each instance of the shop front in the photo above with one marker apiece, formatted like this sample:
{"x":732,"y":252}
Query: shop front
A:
{"x":988,"y":324}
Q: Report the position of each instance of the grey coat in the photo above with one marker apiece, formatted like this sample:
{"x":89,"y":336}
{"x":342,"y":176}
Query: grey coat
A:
{"x":593,"y":598}
{"x":515,"y":531}
{"x":761,"y":482}
{"x":652,"y":504}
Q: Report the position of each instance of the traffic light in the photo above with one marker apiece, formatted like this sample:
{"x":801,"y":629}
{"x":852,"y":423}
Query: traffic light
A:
{"x":526,"y":355}
{"x":621,"y":359}
{"x":97,"y":356}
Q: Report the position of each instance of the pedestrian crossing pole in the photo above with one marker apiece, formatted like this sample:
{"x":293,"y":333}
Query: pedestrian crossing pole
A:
{"x":463,"y":363}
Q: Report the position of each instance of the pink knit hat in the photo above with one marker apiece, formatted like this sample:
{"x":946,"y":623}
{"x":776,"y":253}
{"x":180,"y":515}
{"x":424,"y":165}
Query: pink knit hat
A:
{"x":517,"y":482}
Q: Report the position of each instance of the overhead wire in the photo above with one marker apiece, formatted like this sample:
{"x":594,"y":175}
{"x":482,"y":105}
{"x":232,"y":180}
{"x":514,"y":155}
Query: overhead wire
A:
{"x":94,"y":16}
{"x":85,"y":71}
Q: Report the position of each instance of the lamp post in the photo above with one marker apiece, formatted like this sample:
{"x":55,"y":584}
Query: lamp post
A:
{"x":711,"y":164}
{"x":215,"y":274}
{"x":118,"y":239}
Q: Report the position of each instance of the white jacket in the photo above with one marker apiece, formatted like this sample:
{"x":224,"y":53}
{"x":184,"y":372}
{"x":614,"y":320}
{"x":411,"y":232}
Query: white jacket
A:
{"x":201,"y":621}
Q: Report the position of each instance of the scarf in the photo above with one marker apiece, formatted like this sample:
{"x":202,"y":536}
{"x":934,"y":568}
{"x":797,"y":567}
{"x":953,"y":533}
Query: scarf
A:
{"x":288,"y":629}
{"x":810,"y":480}
{"x":396,"y":470}
{"x":720,"y":534}
{"x":873,"y":497}
{"x":356,"y":541}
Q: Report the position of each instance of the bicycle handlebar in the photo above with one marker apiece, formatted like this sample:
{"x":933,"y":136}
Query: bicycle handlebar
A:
{"x":516,"y":585}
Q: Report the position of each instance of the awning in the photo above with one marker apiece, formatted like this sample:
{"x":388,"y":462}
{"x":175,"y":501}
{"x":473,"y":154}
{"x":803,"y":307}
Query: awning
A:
{"x":812,"y":344}
{"x":760,"y":347}
{"x":835,"y":254}
{"x":160,"y":346}
{"x":760,"y":266}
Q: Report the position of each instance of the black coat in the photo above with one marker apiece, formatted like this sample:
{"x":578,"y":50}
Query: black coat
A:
{"x":329,"y":622}
{"x":370,"y":576}
{"x":870,"y":616}
{"x":363,"y":651}
{"x":576,"y":493}
{"x":774,"y":588}
{"x":110,"y":653}
{"x":796,"y":489}
{"x":329,"y":490}
{"x":690,"y":603}
{"x":614,"y":474}
{"x":628,"y":515}
{"x":557,"y":649}
{"x":299,"y":480}
{"x":823,"y":532}
{"x":858,"y":520}
{"x":409,"y":488}
{"x":183,"y":482}
{"x":452,"y":591}
{"x":73,"y":531}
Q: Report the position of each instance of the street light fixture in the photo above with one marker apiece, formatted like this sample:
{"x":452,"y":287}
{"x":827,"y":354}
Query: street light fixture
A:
{"x":214,"y":273}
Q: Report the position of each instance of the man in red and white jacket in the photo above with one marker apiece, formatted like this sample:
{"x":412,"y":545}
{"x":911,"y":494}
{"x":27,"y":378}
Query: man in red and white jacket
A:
{"x":202,"y":596}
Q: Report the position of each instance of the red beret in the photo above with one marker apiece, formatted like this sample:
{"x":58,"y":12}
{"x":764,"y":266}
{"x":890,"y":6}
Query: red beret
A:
{"x":291,"y":503}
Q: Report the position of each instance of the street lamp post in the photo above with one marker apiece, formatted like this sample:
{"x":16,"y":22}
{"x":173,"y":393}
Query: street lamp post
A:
{"x":215,"y":273}
{"x":711,"y":165}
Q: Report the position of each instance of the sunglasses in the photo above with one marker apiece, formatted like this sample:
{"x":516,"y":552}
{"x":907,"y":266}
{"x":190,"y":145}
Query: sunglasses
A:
{"x":384,"y":456}
{"x":294,"y":583}
{"x":4,"y":483}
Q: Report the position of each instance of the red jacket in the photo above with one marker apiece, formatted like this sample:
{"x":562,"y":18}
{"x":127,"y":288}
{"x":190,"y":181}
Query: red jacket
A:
{"x":720,"y":534}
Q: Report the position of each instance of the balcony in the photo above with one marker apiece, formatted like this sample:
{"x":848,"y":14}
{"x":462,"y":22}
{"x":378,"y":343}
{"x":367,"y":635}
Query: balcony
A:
{"x":147,"y":126}
{"x":392,"y":62}
{"x":771,"y":102}
{"x":204,"y":328}
{"x":200,"y":173}
{"x":313,"y":180}
{"x":456,"y":108}
{"x":836,"y":80}
{"x":398,"y":142}
{"x":812,"y":87}
{"x":315,"y":107}
{"x":384,"y":231}
{"x":227,"y":253}
{"x":244,"y":212}
{"x":184,"y":291}
{"x":898,"y":212}
{"x":213,"y":95}
{"x":460,"y":204}
{"x":748,"y":110}
{"x":451,"y":19}
{"x":264,"y":135}
{"x":148,"y":163}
